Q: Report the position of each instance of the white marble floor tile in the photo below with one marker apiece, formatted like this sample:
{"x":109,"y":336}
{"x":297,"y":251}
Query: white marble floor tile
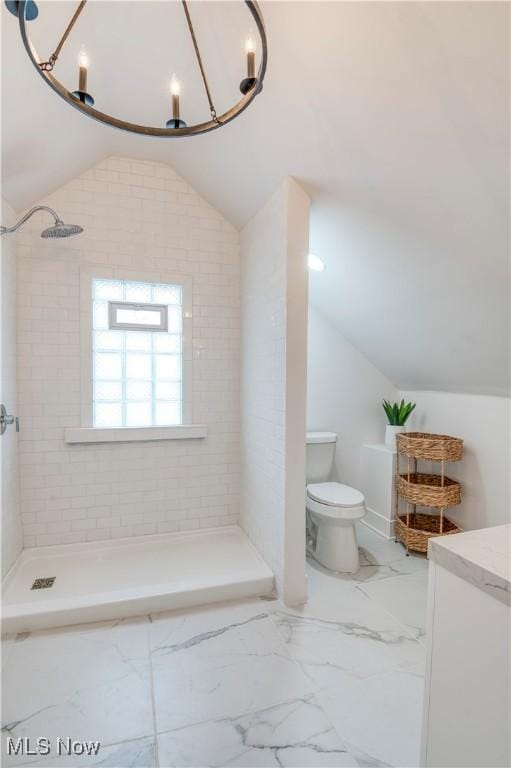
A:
{"x":293,"y":734}
{"x":376,"y":549}
{"x":234,"y":684}
{"x":379,"y":560}
{"x":6,"y":648}
{"x":323,"y":582}
{"x":140,"y":753}
{"x":379,"y":717}
{"x":405,"y":597}
{"x":89,"y":682}
{"x":350,"y":635}
{"x":220,"y":662}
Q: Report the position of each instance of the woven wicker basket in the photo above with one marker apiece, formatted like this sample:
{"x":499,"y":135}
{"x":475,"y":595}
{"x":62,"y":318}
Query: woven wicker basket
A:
{"x":424,"y":445}
{"x":421,"y":529}
{"x":428,"y":490}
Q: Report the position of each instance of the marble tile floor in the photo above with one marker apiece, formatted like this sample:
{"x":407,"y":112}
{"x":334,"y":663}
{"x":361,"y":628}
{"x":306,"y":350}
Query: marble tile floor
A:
{"x":337,"y":682}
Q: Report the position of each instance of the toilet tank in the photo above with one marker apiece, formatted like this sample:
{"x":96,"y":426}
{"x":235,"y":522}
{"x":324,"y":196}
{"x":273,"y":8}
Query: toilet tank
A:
{"x":320,"y":456}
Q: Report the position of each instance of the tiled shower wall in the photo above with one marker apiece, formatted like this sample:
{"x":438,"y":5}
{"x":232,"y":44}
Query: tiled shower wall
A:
{"x":274,"y":284}
{"x":138,"y":216}
{"x":11,"y":529}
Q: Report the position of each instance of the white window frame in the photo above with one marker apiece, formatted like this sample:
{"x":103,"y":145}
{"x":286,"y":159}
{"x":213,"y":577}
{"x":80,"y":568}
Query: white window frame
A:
{"x":87,"y":432}
{"x":116,"y":325}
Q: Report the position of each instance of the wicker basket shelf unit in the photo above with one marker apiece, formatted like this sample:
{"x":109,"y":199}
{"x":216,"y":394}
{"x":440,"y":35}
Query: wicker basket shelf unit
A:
{"x":436,"y":491}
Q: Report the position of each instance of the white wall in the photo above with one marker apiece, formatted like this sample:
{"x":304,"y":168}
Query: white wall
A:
{"x":274,"y":247}
{"x":344,"y":395}
{"x":137,"y":216}
{"x":484,"y":424}
{"x":11,"y":521}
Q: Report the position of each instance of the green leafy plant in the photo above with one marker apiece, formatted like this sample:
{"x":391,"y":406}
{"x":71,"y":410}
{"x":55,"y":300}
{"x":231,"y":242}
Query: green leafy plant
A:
{"x":398,"y":413}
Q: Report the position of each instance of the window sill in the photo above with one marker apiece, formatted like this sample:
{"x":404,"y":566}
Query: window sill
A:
{"x":134,"y":434}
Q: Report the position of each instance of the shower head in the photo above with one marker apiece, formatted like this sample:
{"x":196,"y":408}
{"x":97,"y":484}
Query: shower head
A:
{"x":59,"y":229}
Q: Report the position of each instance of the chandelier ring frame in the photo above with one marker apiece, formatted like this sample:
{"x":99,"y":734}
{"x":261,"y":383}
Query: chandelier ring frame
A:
{"x":145,"y":130}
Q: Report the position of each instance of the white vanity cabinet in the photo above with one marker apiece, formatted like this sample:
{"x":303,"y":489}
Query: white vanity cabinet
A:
{"x":467,"y":716}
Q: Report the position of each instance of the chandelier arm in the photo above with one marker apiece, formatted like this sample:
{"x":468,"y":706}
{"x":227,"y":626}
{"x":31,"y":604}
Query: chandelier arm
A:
{"x":47,"y":66}
{"x":199,"y":61}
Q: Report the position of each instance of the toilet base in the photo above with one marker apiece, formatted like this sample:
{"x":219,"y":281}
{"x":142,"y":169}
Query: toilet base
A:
{"x":336,"y":548}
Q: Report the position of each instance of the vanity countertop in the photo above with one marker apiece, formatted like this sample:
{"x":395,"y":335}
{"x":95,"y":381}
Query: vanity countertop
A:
{"x":481,"y":557}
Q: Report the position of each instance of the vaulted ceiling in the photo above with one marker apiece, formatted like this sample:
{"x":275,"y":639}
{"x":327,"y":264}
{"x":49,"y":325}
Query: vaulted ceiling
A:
{"x":393,"y":116}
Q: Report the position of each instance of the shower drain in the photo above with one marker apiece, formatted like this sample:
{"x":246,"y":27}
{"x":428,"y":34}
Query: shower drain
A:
{"x":44,"y":583}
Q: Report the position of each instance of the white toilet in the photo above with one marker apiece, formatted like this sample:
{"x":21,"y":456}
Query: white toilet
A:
{"x":332,"y":508}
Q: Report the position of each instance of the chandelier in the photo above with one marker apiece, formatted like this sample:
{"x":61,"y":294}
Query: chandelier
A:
{"x":26,"y":11}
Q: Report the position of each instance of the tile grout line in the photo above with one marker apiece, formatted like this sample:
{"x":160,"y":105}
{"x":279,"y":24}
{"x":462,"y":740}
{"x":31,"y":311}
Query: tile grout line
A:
{"x":151,"y":682}
{"x":317,"y":690}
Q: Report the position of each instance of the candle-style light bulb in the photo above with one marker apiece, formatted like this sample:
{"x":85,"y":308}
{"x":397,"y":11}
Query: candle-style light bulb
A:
{"x":83,"y":64}
{"x":175,"y":92}
{"x":250,"y":48}
{"x":83,"y":58}
{"x":250,"y":44}
{"x":250,"y":81}
{"x":175,"y":86}
{"x":83,"y":68}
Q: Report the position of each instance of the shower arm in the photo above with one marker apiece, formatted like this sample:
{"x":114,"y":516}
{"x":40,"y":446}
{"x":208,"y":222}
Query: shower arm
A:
{"x":8,"y":230}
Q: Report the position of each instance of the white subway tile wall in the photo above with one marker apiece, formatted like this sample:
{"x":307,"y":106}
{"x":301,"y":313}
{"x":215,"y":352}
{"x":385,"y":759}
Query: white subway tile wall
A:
{"x":263,"y":380}
{"x":11,"y":529}
{"x":138,"y":216}
{"x":274,"y":281}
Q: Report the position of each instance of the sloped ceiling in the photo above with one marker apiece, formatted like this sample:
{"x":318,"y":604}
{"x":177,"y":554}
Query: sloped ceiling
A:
{"x":394,"y":117}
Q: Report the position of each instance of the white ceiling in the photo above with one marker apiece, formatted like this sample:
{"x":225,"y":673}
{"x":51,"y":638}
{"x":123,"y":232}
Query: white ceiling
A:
{"x":393,"y":115}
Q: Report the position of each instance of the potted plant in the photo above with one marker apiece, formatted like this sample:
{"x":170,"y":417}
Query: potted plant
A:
{"x":397,"y":415}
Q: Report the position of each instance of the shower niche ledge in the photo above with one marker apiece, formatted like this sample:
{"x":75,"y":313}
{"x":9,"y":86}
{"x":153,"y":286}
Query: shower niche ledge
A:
{"x":78,"y":583}
{"x":75,"y":435}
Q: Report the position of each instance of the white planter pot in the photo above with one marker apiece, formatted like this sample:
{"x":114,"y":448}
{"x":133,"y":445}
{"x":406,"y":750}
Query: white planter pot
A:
{"x":390,"y":435}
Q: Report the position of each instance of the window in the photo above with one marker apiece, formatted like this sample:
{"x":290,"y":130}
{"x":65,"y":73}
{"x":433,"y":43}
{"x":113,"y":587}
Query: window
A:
{"x":128,"y":316}
{"x":137,"y":353}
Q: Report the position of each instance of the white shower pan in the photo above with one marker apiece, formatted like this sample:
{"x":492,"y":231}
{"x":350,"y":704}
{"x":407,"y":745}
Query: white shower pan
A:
{"x":129,"y":577}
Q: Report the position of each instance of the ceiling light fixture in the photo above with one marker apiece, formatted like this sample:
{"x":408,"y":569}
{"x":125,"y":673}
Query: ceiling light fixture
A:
{"x":315,"y":263}
{"x":250,"y":87}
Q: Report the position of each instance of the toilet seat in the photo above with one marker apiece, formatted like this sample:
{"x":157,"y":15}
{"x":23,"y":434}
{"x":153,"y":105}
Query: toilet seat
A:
{"x":335,"y":495}
{"x":335,"y":515}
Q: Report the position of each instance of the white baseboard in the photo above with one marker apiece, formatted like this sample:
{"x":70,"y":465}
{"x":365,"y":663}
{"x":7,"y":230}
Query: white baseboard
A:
{"x":379,"y":524}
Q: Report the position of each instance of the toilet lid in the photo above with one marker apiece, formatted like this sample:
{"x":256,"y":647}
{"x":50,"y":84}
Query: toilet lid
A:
{"x":335,"y":494}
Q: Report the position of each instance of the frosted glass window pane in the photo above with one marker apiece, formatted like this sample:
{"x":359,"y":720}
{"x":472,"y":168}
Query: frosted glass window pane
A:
{"x":138,"y":414}
{"x":139,"y":292}
{"x":168,"y":414}
{"x":107,"y":415}
{"x":167,"y":294}
{"x":108,"y":340}
{"x":107,"y":390}
{"x":166,"y":390}
{"x":107,"y":365}
{"x":138,"y":317}
{"x":137,"y":373}
{"x":139,"y":390}
{"x":174,"y":318}
{"x":138,"y":340}
{"x":167,"y":342}
{"x":100,"y":315}
{"x":138,"y":366}
{"x":110,"y":290}
{"x":168,"y":367}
